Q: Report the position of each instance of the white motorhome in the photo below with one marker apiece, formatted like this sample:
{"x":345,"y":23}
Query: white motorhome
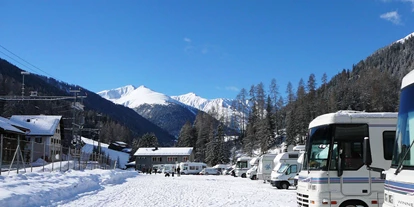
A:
{"x":252,"y":172}
{"x":399,"y":184}
{"x":285,"y":170}
{"x":242,"y":165}
{"x":333,"y":172}
{"x":193,"y":168}
{"x":300,"y":162}
{"x":168,"y":168}
{"x":265,"y":167}
{"x":221,"y":167}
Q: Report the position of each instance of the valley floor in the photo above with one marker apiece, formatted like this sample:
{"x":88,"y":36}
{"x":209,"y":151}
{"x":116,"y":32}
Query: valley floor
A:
{"x":127,"y":188}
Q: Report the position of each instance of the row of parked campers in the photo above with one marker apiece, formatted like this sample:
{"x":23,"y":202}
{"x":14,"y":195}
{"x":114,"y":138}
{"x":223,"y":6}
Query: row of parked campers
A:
{"x":280,"y":170}
{"x":191,"y":168}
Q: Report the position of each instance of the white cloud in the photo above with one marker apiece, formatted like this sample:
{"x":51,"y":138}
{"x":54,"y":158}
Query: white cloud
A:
{"x":186,"y":39}
{"x":392,"y":16}
{"x":232,"y":88}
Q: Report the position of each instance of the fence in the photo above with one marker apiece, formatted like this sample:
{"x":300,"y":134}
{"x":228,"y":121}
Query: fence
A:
{"x":20,"y":155}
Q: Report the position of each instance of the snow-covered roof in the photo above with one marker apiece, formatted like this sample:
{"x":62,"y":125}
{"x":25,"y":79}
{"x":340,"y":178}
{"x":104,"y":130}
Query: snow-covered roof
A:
{"x":122,"y":157}
{"x":38,"y":124}
{"x":408,"y":79}
{"x":7,"y":126}
{"x":164,"y":151}
{"x":348,"y":116}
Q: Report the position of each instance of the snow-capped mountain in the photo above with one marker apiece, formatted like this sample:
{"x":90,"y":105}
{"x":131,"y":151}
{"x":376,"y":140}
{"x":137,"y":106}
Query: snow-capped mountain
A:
{"x":169,"y":113}
{"x":132,"y":97}
{"x":220,"y":105}
{"x":405,"y":38}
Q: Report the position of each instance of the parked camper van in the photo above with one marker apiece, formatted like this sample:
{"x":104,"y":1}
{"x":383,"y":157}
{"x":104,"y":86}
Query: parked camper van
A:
{"x":333,"y":172}
{"x":168,"y":168}
{"x":399,"y":184}
{"x":242,"y":165}
{"x":193,"y":168}
{"x":285,"y":170}
{"x":252,"y":172}
{"x":265,"y":167}
{"x":300,"y":162}
{"x":221,"y":167}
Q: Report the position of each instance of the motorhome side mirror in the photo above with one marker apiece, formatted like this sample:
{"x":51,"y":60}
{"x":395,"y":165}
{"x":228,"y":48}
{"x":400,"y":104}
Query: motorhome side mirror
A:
{"x":366,"y":155}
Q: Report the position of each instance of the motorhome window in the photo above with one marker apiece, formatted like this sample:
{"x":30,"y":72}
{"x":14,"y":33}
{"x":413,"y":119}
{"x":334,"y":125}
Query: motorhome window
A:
{"x":404,"y":137}
{"x":242,"y":164}
{"x":317,"y":148}
{"x":283,"y":168}
{"x":388,"y":139}
{"x":405,"y":129}
{"x":349,"y":138}
{"x":293,"y":155}
{"x":292,"y":169}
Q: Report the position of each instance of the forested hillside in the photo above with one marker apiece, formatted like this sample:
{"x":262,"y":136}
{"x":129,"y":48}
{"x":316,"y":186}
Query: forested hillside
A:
{"x":371,"y":85}
{"x":115,"y":121}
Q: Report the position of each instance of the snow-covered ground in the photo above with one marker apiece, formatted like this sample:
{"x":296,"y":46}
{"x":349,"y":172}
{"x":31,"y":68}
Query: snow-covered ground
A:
{"x":129,"y":188}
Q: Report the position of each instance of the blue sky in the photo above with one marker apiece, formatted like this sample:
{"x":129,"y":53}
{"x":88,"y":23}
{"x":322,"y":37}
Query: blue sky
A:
{"x":212,"y":48}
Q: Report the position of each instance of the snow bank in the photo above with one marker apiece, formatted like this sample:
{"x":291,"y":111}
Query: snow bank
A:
{"x":40,"y":189}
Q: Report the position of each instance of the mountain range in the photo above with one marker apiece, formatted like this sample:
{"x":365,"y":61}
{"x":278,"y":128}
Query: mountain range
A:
{"x":167,"y":112}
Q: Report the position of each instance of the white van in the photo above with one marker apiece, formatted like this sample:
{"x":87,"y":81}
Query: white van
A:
{"x":209,"y":171}
{"x":252,"y":173}
{"x":221,"y":167}
{"x":242,"y":165}
{"x":286,"y":169}
{"x":193,"y":168}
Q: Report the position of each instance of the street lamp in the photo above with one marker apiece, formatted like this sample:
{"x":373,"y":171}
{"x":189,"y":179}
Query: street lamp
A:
{"x":23,"y":73}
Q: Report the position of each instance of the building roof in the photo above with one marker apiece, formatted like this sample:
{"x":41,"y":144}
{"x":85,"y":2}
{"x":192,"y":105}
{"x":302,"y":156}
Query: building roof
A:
{"x":164,"y":151}
{"x":43,"y":125}
{"x":6,"y":125}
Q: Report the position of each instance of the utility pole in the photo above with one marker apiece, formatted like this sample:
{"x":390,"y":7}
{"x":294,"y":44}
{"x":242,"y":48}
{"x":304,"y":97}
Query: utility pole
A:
{"x":23,"y":73}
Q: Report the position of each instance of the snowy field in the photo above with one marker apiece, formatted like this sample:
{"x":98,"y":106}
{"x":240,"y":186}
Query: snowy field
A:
{"x":128,"y":188}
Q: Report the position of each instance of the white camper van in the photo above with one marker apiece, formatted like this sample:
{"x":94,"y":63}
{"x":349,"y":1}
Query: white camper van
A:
{"x":168,"y":168}
{"x":193,"y":168}
{"x":265,"y":167}
{"x":242,"y":165}
{"x":300,"y":162}
{"x":285,"y":170}
{"x":399,"y":184}
{"x":252,"y":172}
{"x":221,"y":167}
{"x":333,"y":172}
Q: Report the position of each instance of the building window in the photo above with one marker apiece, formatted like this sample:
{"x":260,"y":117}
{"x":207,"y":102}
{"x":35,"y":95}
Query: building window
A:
{"x":172,"y":159}
{"x":38,"y":140}
{"x":157,"y":159}
{"x":185,"y":159}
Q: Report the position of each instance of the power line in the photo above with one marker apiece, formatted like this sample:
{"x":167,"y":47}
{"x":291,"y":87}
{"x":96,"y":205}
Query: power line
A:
{"x":15,"y":60}
{"x":23,"y":60}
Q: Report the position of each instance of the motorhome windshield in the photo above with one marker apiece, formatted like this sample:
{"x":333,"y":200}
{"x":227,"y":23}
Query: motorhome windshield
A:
{"x":283,"y":168}
{"x":324,"y":142}
{"x":403,"y":154}
{"x":241,"y":164}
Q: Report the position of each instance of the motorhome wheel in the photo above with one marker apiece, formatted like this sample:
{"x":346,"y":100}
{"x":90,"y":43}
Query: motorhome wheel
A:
{"x":284,"y":185}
